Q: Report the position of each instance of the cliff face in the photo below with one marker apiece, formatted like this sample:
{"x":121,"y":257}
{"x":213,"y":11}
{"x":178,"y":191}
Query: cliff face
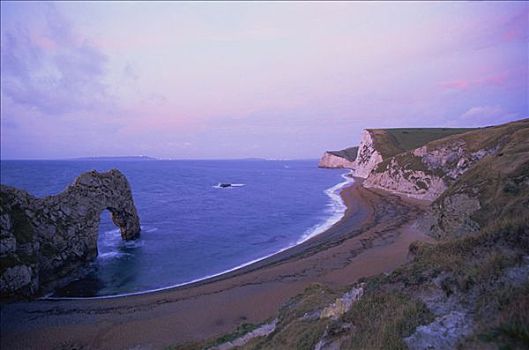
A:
{"x":47,"y":241}
{"x":329,"y":160}
{"x":339,"y":159}
{"x":453,"y":172}
{"x":368,"y":156}
{"x":426,"y":172}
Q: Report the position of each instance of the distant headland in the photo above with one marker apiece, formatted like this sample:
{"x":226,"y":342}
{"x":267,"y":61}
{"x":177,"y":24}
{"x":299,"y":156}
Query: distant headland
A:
{"x":121,"y":158}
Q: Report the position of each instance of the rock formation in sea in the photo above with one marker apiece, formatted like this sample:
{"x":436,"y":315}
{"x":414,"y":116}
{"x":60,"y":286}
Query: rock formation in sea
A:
{"x":47,"y":242}
{"x":339,"y":159}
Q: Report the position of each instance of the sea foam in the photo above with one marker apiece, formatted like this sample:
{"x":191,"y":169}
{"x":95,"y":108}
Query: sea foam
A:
{"x":336,"y":208}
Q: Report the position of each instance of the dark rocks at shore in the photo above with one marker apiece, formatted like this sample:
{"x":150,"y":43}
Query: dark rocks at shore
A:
{"x":47,"y":242}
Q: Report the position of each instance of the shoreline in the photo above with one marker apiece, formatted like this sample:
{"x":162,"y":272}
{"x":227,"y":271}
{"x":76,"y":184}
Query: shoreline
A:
{"x":372,"y":237}
{"x":333,"y":193}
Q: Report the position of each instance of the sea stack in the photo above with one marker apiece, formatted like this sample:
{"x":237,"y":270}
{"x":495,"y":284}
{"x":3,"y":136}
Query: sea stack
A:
{"x":46,"y":242}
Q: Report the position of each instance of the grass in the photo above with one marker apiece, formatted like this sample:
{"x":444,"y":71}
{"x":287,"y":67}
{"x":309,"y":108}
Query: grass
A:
{"x":313,"y":297}
{"x":499,"y":181}
{"x":241,"y":330}
{"x":390,"y":142}
{"x":390,"y":309}
{"x":348,"y":153}
{"x":471,"y":260}
{"x":484,"y":137}
{"x":509,"y":326}
{"x":297,"y":334}
{"x":293,"y":330}
{"x":411,"y":138}
{"x":409,"y":163}
{"x":397,"y":142}
{"x":382,"y":319}
{"x":406,"y":161}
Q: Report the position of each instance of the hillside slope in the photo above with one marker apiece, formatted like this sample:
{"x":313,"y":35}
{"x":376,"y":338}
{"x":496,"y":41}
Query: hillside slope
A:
{"x":497,"y":187}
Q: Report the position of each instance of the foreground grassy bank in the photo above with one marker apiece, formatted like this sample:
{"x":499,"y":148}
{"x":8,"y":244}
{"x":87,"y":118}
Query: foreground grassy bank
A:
{"x":484,"y":277}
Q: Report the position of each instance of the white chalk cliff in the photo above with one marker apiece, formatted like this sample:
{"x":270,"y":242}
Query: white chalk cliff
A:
{"x":339,"y":159}
{"x":426,"y":172}
{"x":368,"y":156}
{"x":330,"y":160}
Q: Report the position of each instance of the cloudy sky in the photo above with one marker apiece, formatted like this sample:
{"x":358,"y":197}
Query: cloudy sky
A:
{"x":233,"y":80}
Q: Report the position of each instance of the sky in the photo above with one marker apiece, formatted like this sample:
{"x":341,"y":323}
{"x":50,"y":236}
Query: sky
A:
{"x":277,"y":80}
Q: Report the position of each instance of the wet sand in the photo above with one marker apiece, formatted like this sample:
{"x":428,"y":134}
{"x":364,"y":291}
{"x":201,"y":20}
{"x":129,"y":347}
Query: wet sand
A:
{"x":373,"y":237}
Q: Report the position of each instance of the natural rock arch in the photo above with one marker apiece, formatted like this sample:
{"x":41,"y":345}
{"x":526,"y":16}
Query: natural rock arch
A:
{"x":47,"y":241}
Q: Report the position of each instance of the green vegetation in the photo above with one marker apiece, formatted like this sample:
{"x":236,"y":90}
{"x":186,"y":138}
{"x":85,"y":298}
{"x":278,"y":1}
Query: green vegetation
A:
{"x":485,"y":137}
{"x":311,"y":299}
{"x":406,"y":161}
{"x":295,"y":330}
{"x":382,"y":319}
{"x":500,"y":181}
{"x":298,"y":334}
{"x":390,"y":309}
{"x":509,"y":326}
{"x":390,"y":142}
{"x":239,"y":332}
{"x":469,"y":261}
{"x":348,"y":153}
{"x":411,"y":138}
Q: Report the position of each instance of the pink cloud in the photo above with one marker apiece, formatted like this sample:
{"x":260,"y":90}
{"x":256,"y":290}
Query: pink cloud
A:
{"x":517,"y":28}
{"x":456,"y":84}
{"x":465,"y":84}
{"x":43,"y":42}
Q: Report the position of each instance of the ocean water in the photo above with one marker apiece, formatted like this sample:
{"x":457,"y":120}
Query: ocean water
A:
{"x":191,"y":228}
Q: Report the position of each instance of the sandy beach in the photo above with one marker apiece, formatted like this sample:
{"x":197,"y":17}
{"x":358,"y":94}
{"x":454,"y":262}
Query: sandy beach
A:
{"x":372,"y":237}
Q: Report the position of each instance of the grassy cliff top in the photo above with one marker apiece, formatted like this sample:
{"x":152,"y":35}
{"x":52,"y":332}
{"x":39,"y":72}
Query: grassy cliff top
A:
{"x":390,"y":142}
{"x":511,"y":135}
{"x":348,"y":153}
{"x":486,"y":137}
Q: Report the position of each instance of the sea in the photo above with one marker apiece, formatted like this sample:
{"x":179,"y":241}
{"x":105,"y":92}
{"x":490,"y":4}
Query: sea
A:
{"x":192,"y":228}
